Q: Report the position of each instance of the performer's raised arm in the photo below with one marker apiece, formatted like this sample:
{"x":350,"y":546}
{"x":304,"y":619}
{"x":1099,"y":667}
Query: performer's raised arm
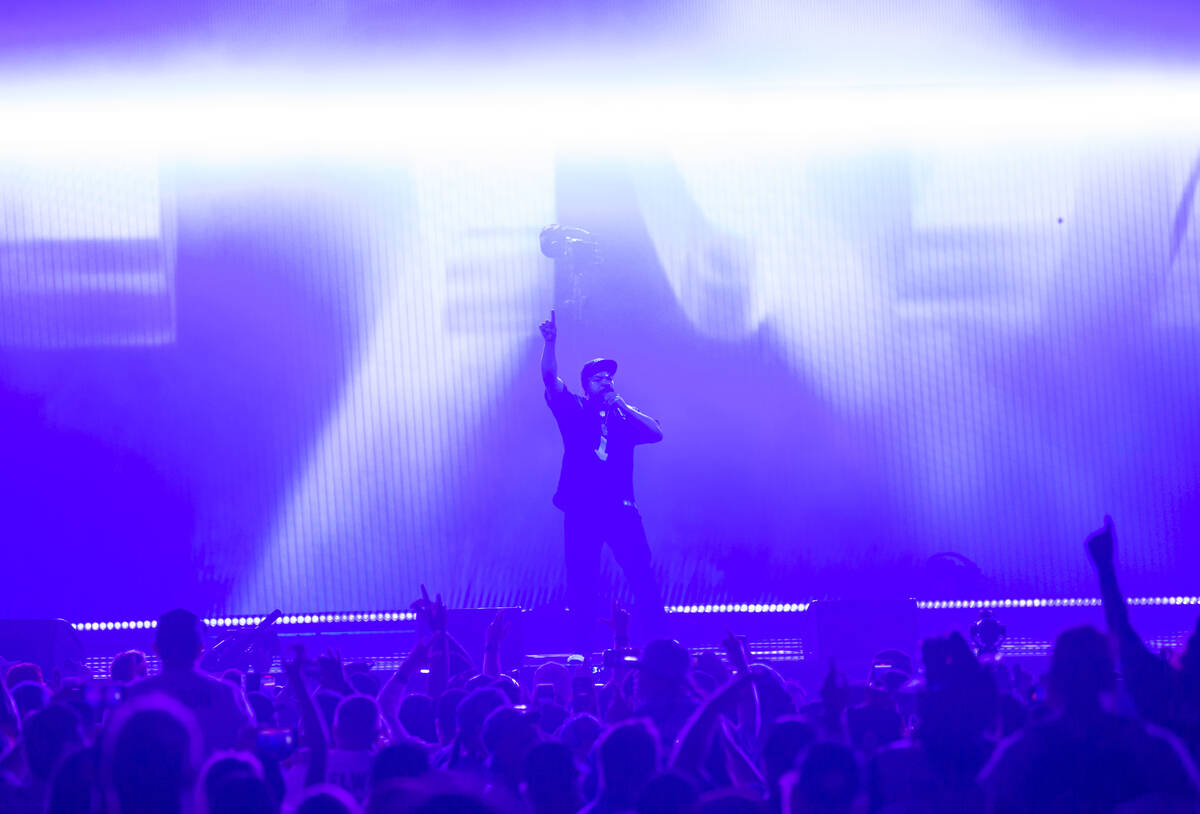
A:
{"x":550,"y":377}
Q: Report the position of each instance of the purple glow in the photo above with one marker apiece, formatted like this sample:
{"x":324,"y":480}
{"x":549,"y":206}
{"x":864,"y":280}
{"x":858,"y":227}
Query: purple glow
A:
{"x":268,"y":329}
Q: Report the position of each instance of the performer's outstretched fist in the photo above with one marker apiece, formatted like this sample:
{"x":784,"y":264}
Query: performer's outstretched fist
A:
{"x":549,"y":329}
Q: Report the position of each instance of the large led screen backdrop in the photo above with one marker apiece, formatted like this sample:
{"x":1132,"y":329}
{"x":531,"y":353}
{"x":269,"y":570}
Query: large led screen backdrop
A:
{"x":314,"y":384}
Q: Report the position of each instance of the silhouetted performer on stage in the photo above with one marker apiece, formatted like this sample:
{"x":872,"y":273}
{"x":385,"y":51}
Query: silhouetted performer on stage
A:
{"x":595,"y":487}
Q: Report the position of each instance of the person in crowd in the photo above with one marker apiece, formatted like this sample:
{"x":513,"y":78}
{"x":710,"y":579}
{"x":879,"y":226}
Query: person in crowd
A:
{"x":150,"y":757}
{"x":220,"y":708}
{"x":663,"y":692}
{"x":827,"y":780}
{"x":1163,"y":693}
{"x":550,"y":779}
{"x":668,"y":793}
{"x":1088,"y":758}
{"x":628,"y":757}
{"x":356,"y":733}
{"x":22,"y":672}
{"x":668,"y":733}
{"x":49,"y":735}
{"x":128,"y":667}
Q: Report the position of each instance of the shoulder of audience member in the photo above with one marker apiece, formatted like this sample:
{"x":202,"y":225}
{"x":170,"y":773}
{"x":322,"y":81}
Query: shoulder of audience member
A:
{"x":1170,"y":751}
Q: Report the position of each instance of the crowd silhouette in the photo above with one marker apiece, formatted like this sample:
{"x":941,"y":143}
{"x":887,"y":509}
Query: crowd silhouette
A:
{"x":1113,"y":727}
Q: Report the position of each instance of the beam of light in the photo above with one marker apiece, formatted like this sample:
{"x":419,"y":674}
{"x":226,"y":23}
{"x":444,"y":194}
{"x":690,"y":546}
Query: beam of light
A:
{"x":266,"y":120}
{"x":462,"y":287}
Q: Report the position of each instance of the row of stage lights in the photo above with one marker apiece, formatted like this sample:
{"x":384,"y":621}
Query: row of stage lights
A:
{"x":246,"y":621}
{"x":787,"y":607}
{"x":1081,"y":602}
{"x":784,"y":607}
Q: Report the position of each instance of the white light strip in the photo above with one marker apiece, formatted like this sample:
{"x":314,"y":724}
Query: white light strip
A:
{"x":375,"y":617}
{"x":1079,"y":602}
{"x":277,"y":120}
{"x":786,"y":607}
{"x":371,"y":617}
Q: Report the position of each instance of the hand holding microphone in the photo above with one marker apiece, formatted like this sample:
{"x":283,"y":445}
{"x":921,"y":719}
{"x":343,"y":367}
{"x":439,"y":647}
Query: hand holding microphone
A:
{"x":618,"y":405}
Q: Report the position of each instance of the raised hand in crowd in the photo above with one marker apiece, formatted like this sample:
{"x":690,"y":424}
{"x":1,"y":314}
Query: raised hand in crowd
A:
{"x":736,"y":652}
{"x":706,"y":723}
{"x":835,"y":697}
{"x":618,"y":621}
{"x":1101,"y":544}
{"x":313,"y":734}
{"x":497,"y":629}
{"x":392,"y":693}
{"x":331,"y":673}
{"x":432,"y":612}
{"x":1161,"y":694}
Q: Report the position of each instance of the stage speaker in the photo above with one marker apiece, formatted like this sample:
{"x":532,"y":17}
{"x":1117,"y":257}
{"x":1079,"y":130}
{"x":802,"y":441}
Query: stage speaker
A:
{"x":852,"y":632}
{"x":48,"y":643}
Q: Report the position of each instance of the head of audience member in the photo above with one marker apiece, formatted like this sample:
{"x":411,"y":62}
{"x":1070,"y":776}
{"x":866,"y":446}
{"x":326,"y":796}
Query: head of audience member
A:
{"x":418,"y":716}
{"x":398,"y":796}
{"x":50,"y":734}
{"x":149,"y":757}
{"x":509,"y":686}
{"x":446,"y":710}
{"x":663,"y":670}
{"x":579,"y":733}
{"x":364,"y":683}
{"x":220,"y":768}
{"x":128,"y":667}
{"x":356,"y":723}
{"x":557,"y":676}
{"x":75,"y":786}
{"x":827,"y":780}
{"x":476,"y":681}
{"x":327,"y":799}
{"x":668,"y":793}
{"x":472,"y":711}
{"x":550,"y":779}
{"x":786,"y":740}
{"x":551,"y":717}
{"x":454,"y":803}
{"x":957,"y":703}
{"x":179,"y":639}
{"x":405,"y":759}
{"x":508,"y":734}
{"x":243,"y":794}
{"x":891,"y":670}
{"x":1081,"y":671}
{"x":874,"y":723}
{"x":729,"y":801}
{"x":21,"y":672}
{"x":30,"y":696}
{"x":628,"y":758}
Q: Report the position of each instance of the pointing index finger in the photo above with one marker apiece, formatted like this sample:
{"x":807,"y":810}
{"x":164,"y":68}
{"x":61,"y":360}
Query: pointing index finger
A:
{"x":551,"y":316}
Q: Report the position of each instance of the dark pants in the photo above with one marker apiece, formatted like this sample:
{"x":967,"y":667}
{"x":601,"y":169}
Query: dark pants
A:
{"x":586,"y":532}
